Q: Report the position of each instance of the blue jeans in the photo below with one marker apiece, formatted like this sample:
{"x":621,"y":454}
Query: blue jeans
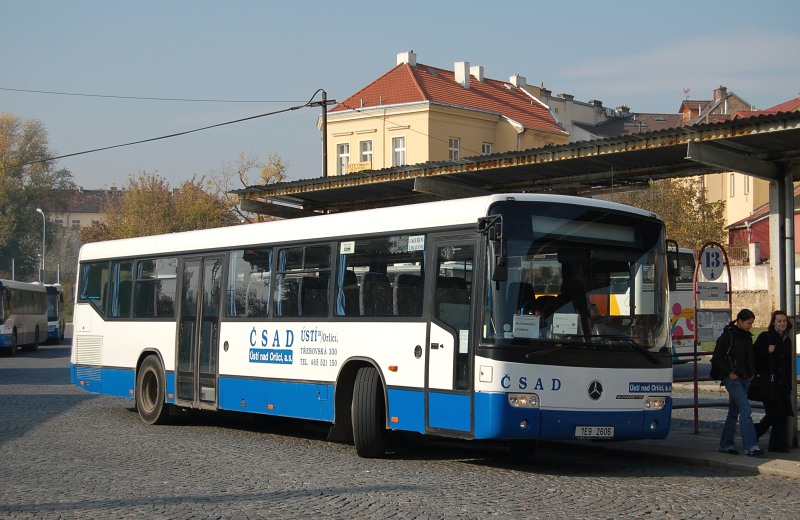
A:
{"x":739,"y":408}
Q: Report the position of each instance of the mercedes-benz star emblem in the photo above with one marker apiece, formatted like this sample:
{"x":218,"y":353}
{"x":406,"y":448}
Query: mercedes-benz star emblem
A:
{"x":595,"y":390}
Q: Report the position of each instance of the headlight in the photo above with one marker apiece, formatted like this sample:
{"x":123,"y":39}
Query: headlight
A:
{"x":523,"y":400}
{"x":655,"y":403}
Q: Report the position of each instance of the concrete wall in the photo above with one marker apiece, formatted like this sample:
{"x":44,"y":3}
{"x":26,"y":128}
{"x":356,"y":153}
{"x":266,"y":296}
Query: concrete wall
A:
{"x":750,"y":286}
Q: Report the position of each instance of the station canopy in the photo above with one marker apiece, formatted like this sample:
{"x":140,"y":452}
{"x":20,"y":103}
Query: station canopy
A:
{"x":763,"y":146}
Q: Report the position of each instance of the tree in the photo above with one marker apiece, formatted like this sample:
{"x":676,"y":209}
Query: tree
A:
{"x":149,"y":206}
{"x":271,"y":171}
{"x":28,"y":180}
{"x":690,"y":218}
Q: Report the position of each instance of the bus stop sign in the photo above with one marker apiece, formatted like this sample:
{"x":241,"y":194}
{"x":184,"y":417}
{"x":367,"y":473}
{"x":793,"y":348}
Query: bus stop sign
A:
{"x":712,"y":262}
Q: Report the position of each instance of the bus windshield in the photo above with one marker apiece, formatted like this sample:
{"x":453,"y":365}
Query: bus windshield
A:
{"x":576,"y":275}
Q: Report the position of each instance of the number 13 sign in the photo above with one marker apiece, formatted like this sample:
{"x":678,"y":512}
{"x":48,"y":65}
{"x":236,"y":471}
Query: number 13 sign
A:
{"x":712,"y":262}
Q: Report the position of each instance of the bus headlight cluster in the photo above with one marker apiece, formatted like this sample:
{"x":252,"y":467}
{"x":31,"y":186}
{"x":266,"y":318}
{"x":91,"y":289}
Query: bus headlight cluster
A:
{"x":655,"y":403}
{"x":523,"y":400}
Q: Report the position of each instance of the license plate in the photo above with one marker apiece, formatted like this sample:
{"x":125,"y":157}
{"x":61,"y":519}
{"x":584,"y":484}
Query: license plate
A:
{"x":594,"y":432}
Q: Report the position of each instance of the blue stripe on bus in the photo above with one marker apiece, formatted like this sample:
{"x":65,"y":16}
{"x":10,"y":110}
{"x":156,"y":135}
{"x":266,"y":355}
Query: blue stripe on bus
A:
{"x":406,"y":410}
{"x":449,"y":411}
{"x":287,"y":399}
{"x":117,"y":382}
{"x":496,"y":419}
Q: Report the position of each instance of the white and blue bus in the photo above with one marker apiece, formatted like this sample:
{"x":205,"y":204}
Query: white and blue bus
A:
{"x":23,"y":315}
{"x":422,"y":318}
{"x":55,"y":312}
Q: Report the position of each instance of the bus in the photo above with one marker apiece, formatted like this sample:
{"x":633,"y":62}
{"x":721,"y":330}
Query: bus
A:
{"x":681,"y":305}
{"x":422,"y":319}
{"x":681,"y":302}
{"x":55,"y":312}
{"x":23,"y":315}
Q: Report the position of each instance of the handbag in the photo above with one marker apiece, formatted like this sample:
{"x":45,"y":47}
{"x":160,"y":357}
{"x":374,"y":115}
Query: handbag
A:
{"x":762,"y":387}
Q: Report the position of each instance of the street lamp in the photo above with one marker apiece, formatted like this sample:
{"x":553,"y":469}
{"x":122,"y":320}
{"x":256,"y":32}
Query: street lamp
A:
{"x":44,"y":223}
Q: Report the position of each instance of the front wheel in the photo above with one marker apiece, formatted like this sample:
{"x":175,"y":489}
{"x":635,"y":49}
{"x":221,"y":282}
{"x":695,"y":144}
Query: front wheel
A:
{"x":369,"y":416}
{"x":150,"y":392}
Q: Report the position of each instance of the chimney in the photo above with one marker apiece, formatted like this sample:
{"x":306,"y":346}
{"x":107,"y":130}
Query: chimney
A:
{"x":624,"y":109}
{"x":518,"y":81}
{"x":596,"y":103}
{"x":461,"y":68}
{"x":476,"y":71}
{"x":567,"y":97}
{"x":720,"y":93}
{"x":407,"y":57}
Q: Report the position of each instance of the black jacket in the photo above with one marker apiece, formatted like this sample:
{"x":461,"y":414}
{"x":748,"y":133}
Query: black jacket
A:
{"x":740,"y":359}
{"x":779,"y":364}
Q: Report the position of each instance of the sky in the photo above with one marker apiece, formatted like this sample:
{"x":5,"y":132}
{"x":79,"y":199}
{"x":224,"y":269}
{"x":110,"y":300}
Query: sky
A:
{"x":83,"y":67}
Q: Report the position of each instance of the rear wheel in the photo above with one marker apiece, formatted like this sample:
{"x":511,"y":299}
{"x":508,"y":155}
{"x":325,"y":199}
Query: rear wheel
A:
{"x":12,"y":350}
{"x":35,"y":345}
{"x":150,"y":392}
{"x":369,"y":415}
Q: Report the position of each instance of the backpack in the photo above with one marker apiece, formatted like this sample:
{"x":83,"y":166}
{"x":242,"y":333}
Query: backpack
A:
{"x":714,"y":372}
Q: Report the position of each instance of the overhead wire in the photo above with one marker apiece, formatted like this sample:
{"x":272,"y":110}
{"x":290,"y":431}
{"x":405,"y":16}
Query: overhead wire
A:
{"x":177,"y":134}
{"x":145,"y":98}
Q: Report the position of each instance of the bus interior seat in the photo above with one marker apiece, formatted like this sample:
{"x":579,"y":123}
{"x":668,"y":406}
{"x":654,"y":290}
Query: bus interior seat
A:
{"x":350,"y":291}
{"x":375,"y":295}
{"x":407,"y":296}
{"x":287,"y":298}
{"x":518,"y":294}
{"x":313,"y":296}
{"x":125,"y":299}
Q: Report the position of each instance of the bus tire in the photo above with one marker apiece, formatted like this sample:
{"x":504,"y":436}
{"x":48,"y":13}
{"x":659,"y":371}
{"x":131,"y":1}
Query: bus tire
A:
{"x":369,"y":433}
{"x":151,"y":392}
{"x":12,"y":350}
{"x":35,"y":345}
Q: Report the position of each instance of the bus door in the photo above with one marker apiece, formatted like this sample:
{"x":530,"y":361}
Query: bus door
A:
{"x":448,"y":378}
{"x":198,"y":331}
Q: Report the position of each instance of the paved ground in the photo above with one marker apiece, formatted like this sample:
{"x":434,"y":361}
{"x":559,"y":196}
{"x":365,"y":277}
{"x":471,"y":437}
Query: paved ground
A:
{"x":697,"y":442}
{"x":65,"y":453}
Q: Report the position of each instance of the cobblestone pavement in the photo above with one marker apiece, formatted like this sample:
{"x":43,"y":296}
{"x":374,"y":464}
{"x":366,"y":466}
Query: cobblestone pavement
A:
{"x":65,"y":453}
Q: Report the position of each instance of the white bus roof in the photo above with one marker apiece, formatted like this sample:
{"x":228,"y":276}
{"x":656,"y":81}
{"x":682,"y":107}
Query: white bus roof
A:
{"x":407,"y":218}
{"x":13,"y":284}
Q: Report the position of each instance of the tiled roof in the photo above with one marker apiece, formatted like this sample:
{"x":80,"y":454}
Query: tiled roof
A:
{"x":633,"y":124}
{"x":793,"y":105}
{"x":693,"y":104}
{"x":90,"y":201}
{"x":422,"y":83}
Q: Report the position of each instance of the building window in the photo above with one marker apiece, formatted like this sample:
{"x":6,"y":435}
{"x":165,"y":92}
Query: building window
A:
{"x":398,"y":151}
{"x":486,"y":149}
{"x":343,"y":158}
{"x":746,"y":184}
{"x":365,"y":148}
{"x":59,"y":222}
{"x":733,"y":178}
{"x":76,"y":224}
{"x":454,"y":152}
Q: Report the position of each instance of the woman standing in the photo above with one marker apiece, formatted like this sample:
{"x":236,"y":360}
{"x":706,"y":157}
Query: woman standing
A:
{"x":733,"y":358}
{"x":772,"y":350}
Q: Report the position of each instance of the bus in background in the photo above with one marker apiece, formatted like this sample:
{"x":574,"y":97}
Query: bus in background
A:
{"x":23,"y":315}
{"x":681,"y":305}
{"x":55,"y":312}
{"x":466,"y":318}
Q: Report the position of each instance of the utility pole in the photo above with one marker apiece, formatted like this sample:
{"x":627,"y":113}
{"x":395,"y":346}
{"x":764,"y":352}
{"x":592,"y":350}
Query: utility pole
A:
{"x":324,"y":104}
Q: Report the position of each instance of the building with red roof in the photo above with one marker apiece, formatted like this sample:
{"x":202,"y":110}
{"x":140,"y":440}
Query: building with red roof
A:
{"x":417,"y":113}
